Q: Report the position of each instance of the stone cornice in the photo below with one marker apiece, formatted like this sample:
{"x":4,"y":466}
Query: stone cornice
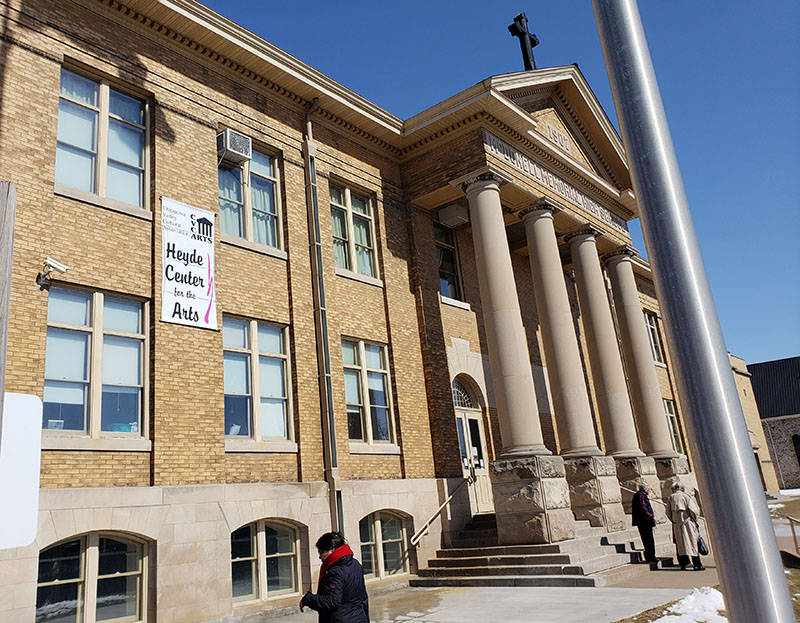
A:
{"x":245,"y":72}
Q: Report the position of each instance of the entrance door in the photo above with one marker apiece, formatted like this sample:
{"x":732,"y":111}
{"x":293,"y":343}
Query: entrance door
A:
{"x":473,"y":459}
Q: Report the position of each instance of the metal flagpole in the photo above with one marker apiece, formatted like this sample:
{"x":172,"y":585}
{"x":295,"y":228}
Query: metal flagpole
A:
{"x":745,"y":547}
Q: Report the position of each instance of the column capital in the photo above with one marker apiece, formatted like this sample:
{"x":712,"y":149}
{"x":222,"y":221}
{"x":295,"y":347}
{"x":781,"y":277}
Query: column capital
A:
{"x":620,"y":253}
{"x":584,"y":230}
{"x":542,"y":205}
{"x":486,"y":175}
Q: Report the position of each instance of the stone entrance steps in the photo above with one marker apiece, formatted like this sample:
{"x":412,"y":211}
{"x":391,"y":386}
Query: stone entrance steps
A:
{"x":476,"y":559}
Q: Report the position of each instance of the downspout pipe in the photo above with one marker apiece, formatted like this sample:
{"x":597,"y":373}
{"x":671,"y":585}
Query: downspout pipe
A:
{"x":330,"y":455}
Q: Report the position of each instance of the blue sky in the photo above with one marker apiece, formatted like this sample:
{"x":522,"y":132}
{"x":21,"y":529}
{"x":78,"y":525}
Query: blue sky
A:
{"x":729,"y":77}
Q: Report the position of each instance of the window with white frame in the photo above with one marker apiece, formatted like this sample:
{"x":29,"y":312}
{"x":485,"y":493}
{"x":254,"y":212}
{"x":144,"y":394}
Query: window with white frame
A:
{"x":353,"y":231}
{"x":366,"y":388}
{"x":383,"y":544}
{"x":447,"y":262}
{"x":102,"y":135}
{"x":92,"y":578}
{"x":95,"y":373}
{"x":672,"y":419}
{"x":264,"y":561}
{"x":249,"y":200}
{"x":651,"y":320}
{"x":255,"y":365}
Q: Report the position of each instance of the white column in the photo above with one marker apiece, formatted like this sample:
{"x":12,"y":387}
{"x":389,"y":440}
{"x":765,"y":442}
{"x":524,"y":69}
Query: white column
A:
{"x":648,"y":405}
{"x":562,"y":357}
{"x":512,"y":376}
{"x":608,"y":377}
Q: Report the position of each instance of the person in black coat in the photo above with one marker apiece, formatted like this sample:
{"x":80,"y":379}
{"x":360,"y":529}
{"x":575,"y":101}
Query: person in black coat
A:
{"x":341,"y":595}
{"x":644,"y":519}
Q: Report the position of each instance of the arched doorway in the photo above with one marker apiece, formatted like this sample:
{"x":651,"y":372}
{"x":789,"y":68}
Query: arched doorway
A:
{"x":472,"y":444}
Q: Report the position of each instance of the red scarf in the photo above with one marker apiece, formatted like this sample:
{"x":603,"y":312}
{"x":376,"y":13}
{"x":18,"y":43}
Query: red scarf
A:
{"x":339,"y":552}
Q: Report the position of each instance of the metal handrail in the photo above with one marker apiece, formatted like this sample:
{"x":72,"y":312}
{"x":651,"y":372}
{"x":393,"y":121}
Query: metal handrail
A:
{"x":469,"y":480}
{"x":793,"y":521}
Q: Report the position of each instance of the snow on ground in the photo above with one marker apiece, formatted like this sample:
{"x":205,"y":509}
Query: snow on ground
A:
{"x":774,"y":505}
{"x":790,"y":492}
{"x":700,"y":606}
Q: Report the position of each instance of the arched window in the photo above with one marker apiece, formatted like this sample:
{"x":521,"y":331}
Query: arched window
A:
{"x":95,"y":577}
{"x":462,"y":397}
{"x":796,"y":442}
{"x":263,"y":561}
{"x":383,"y":544}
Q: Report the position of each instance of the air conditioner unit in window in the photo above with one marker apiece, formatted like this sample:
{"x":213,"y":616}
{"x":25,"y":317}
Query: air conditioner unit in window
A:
{"x":234,"y":147}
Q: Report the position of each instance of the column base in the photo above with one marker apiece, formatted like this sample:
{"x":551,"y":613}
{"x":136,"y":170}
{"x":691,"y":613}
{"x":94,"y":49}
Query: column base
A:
{"x":594,"y":491}
{"x":672,"y":470}
{"x":531,"y":500}
{"x":634,"y":470}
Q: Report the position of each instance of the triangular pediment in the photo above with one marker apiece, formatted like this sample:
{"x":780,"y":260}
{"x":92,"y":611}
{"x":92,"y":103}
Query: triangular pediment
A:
{"x":569,"y":117}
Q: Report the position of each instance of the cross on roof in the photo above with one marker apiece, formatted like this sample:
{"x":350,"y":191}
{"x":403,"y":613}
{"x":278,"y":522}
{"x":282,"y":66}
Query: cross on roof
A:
{"x":527,"y":41}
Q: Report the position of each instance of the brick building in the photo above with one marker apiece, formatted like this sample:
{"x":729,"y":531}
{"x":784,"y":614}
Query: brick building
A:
{"x":384,"y":307}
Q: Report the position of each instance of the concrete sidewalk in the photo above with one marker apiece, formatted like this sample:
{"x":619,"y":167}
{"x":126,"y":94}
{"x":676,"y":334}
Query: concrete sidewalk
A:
{"x":509,"y":604}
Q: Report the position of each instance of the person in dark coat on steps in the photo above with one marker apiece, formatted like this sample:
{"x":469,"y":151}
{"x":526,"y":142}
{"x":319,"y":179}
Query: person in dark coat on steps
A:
{"x":341,"y":595}
{"x":644,"y":519}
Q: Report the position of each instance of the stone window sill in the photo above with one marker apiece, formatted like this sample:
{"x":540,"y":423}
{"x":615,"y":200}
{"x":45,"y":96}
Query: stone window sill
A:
{"x":658,"y":364}
{"x":446,"y":300}
{"x":349,"y":274}
{"x":253,"y":246}
{"x":359,"y":447}
{"x":102,"y":202}
{"x":122,"y":444}
{"x":236,"y":445}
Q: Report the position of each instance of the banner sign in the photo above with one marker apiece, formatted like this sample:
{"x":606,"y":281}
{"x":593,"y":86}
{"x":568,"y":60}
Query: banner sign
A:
{"x":189,"y":294}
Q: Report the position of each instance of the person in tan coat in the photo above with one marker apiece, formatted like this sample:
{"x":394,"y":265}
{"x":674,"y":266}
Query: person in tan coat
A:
{"x":682,"y":511}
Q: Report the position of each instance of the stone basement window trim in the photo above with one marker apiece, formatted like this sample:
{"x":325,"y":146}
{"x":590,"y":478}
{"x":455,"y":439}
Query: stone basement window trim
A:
{"x":446,"y":300}
{"x":349,"y":274}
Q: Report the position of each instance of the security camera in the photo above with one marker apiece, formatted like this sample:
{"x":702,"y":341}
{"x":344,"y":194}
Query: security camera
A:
{"x":54,"y":265}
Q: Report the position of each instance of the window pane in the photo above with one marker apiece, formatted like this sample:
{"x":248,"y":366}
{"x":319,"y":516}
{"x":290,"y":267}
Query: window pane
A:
{"x":448,"y":286}
{"x":235,"y":332}
{"x":243,"y":542}
{"x":352,"y":386}
{"x":243,"y":578}
{"x":265,"y":229}
{"x":122,"y":358}
{"x":125,"y":143}
{"x":380,"y":423}
{"x":236,"y":368}
{"x":67,"y":355}
{"x":361,"y":232}
{"x":336,"y":195}
{"x":365,"y":264}
{"x":365,"y":530}
{"x":355,"y":429}
{"x":231,"y":218}
{"x":262,"y":194}
{"x":126,"y":107}
{"x":79,"y":88}
{"x":273,"y":417}
{"x":269,"y":339}
{"x":68,"y":306}
{"x":122,"y":315}
{"x":74,"y":168}
{"x":340,"y":259}
{"x":261,"y":164}
{"x":237,"y":416}
{"x":120,"y":409}
{"x":64,"y":406}
{"x":339,"y":223}
{"x":230,"y":200}
{"x":280,"y":539}
{"x":118,"y":556}
{"x":443,"y":234}
{"x":61,"y":603}
{"x":77,"y":126}
{"x":124,"y":184}
{"x":350,"y":353}
{"x":61,"y":562}
{"x":446,"y":260}
{"x":271,"y":375}
{"x":359,"y":204}
{"x":118,"y":598}
{"x":391,"y":527}
{"x":280,"y":574}
{"x":376,"y":383}
{"x":374,"y":356}
{"x":393,"y":558}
